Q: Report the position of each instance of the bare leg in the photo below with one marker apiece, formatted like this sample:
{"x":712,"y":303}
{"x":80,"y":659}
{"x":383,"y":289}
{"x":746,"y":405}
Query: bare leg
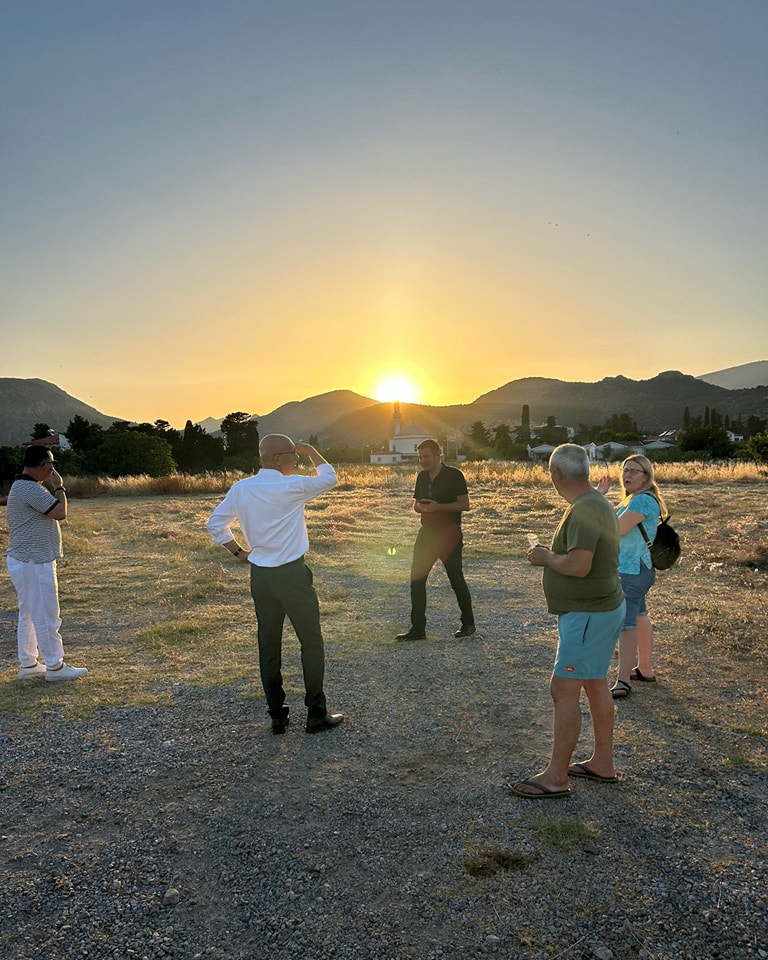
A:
{"x":566,"y":727}
{"x":602,"y":711}
{"x":627,"y":654}
{"x":645,"y":646}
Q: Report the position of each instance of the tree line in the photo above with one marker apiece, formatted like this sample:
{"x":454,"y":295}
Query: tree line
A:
{"x":157,"y":449}
{"x":152,"y":449}
{"x":703,"y":436}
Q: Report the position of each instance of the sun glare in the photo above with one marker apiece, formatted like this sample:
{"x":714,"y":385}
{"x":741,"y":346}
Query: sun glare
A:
{"x":395,"y":387}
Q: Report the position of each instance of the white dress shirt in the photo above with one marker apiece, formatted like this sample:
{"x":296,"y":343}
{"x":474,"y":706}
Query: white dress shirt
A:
{"x":269,"y":508}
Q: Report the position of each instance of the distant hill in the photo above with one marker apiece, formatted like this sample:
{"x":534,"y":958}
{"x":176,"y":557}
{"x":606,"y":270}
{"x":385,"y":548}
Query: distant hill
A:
{"x":211,"y":424}
{"x":301,"y":418}
{"x":656,"y":404}
{"x":349,"y":419}
{"x":373,"y":425}
{"x":23,"y":403}
{"x":738,"y":378}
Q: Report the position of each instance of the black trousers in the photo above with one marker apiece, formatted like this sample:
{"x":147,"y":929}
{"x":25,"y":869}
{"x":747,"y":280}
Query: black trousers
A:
{"x":280,"y":592}
{"x":443,"y":543}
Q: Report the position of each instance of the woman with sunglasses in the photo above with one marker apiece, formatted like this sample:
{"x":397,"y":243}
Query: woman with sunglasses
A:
{"x":642,"y":503}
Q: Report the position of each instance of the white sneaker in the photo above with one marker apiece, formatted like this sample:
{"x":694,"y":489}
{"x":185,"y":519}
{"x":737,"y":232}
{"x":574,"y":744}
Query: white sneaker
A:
{"x":65,"y":672}
{"x":29,"y":673}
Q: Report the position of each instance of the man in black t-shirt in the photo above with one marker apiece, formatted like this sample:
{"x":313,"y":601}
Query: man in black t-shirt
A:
{"x":440,"y":498}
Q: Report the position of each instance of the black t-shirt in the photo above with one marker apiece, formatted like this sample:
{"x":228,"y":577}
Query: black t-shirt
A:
{"x":447,"y":487}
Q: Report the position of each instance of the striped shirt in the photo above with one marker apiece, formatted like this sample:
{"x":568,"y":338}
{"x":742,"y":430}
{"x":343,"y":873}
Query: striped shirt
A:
{"x":34,"y":536}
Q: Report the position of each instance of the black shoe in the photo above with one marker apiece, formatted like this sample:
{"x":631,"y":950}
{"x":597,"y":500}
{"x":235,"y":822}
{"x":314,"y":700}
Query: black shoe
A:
{"x":328,"y":722}
{"x":466,"y":631}
{"x":412,"y":635}
{"x":280,"y":724}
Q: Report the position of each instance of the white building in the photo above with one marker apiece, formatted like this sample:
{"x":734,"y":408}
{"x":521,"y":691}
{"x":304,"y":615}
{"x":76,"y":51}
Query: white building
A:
{"x":404,"y":443}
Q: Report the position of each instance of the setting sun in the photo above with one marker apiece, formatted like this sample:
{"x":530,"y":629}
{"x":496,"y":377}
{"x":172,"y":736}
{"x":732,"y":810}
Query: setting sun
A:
{"x":396,"y":387}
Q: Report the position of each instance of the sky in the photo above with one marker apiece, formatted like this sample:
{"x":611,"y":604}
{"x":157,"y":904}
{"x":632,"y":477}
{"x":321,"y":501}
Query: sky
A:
{"x":210,"y":207}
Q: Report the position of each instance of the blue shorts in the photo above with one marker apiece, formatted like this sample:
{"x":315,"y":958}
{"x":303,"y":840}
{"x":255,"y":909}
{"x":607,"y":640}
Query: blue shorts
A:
{"x":635,"y":587}
{"x":586,"y":643}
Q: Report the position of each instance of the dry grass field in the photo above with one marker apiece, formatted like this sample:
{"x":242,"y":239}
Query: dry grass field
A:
{"x":162,"y":618}
{"x":142,"y":587}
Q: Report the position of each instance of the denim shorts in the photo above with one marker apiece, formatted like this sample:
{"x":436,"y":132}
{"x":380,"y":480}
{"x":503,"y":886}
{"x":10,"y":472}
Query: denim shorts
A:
{"x":586,"y":643}
{"x":635,"y":587}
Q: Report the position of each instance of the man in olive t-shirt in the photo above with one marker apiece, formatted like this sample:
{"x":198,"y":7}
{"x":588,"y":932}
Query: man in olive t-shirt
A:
{"x":582,"y":587}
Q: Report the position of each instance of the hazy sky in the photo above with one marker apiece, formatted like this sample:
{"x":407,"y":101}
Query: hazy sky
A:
{"x":217,"y":206}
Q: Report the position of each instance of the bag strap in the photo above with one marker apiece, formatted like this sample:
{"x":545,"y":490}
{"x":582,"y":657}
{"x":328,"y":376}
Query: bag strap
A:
{"x":648,"y":541}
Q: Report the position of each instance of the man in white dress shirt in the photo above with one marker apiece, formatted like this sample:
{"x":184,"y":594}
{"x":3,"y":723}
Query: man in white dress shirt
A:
{"x":269,"y":509}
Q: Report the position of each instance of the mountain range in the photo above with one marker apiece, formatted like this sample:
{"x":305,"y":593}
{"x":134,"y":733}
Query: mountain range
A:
{"x":23,"y":403}
{"x":746,"y":375}
{"x":346,"y":418}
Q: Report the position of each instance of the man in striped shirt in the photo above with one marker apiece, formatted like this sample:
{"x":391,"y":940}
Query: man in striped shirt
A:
{"x":35,"y":546}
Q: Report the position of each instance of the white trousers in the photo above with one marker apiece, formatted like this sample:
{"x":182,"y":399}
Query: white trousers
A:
{"x":38,"y":591}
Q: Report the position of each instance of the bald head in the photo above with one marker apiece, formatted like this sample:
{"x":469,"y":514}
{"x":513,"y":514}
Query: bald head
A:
{"x":278,"y":452}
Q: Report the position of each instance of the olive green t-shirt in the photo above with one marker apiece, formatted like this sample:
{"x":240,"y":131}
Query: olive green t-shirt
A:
{"x":589,"y":523}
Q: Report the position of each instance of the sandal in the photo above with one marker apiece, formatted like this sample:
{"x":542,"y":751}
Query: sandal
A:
{"x":621,"y":690}
{"x":636,"y":675}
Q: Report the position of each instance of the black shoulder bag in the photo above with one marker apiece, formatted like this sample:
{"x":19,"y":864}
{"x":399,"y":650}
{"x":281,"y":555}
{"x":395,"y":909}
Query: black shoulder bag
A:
{"x":665,"y":549}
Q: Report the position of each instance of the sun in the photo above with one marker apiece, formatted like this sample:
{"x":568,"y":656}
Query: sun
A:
{"x":393,"y":387}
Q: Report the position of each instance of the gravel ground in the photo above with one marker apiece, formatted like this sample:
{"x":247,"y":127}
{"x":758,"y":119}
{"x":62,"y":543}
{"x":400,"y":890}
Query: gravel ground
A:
{"x":190,"y":831}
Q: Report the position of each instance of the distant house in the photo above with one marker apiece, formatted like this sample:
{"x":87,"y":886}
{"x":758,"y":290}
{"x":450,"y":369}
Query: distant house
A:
{"x":660,"y":444}
{"x":404,"y":443}
{"x":602,"y":452}
{"x":541,"y":451}
{"x":618,"y":449}
{"x":52,"y":440}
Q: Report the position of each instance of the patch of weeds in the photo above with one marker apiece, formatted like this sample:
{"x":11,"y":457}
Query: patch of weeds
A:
{"x":528,"y":936}
{"x":490,"y":860}
{"x":751,"y":730}
{"x":80,"y":700}
{"x":757,"y":559}
{"x":738,"y":760}
{"x":562,"y":833}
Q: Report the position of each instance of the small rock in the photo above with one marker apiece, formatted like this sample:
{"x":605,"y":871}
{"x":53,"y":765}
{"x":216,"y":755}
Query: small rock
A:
{"x":171,"y":897}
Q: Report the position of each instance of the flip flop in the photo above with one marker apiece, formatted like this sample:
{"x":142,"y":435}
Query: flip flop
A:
{"x":544,"y":792}
{"x":636,"y":675}
{"x":621,"y":690}
{"x":586,"y":773}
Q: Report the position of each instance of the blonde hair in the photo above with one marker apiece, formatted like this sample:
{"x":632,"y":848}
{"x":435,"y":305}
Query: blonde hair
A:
{"x":649,"y":484}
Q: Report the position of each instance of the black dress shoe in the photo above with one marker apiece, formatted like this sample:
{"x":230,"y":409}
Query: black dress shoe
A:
{"x":466,"y":631}
{"x":328,"y":722}
{"x":412,"y":635}
{"x":279,"y":724}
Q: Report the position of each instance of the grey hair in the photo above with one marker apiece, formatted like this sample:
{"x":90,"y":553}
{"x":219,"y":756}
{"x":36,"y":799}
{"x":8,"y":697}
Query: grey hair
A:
{"x":571,"y":460}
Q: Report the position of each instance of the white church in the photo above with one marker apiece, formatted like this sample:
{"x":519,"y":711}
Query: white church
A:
{"x":403,"y":445}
